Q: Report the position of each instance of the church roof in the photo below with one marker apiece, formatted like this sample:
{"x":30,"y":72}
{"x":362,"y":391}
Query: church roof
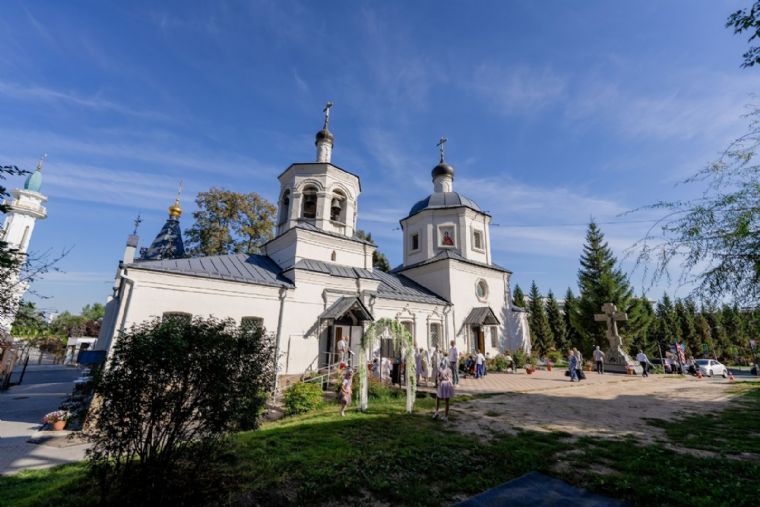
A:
{"x":257,"y":269}
{"x":332,"y":269}
{"x":395,"y":286}
{"x":450,"y":254}
{"x":392,"y":286}
{"x":168,"y":243}
{"x":481,"y":315}
{"x":342,"y":305}
{"x":438,"y":200}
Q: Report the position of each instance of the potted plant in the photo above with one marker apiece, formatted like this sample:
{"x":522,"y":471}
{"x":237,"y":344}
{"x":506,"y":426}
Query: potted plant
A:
{"x":57,"y":419}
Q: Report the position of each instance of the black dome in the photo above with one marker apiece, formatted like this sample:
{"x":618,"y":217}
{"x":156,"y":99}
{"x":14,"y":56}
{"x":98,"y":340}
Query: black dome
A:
{"x":324,"y":134}
{"x":443,"y":200}
{"x":442,"y":169}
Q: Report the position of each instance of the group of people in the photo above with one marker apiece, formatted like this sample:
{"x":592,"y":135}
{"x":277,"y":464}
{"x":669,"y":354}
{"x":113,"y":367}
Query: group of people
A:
{"x":575,"y":365}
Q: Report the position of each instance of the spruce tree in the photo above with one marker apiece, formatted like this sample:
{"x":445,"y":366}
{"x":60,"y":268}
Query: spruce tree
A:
{"x":556,"y":323}
{"x":571,"y":308}
{"x":705,"y":336}
{"x":519,"y":298}
{"x":640,"y":330}
{"x":695,"y":344}
{"x":600,"y":281}
{"x":687,"y":326}
{"x":717,"y":331}
{"x":540,"y":332}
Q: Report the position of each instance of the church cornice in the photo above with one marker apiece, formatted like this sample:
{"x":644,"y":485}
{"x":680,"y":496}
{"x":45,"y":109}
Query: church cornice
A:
{"x":320,"y":164}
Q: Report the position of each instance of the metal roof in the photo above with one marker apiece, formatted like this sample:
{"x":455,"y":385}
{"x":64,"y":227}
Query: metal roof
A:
{"x":257,"y":269}
{"x":450,"y":254}
{"x":342,"y":305}
{"x":333,"y":269}
{"x":481,"y":315}
{"x":395,"y":286}
{"x":443,"y":200}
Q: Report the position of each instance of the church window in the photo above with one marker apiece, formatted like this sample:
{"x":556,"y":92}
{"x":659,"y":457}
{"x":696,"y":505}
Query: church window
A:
{"x":435,"y":335}
{"x":409,"y":326}
{"x":338,"y":207}
{"x":309,"y":203}
{"x":285,"y":207}
{"x":481,"y":290}
{"x":494,"y":338}
{"x":177,"y":317}
{"x":477,"y":240}
{"x":252,"y":323}
{"x":24,"y":237}
{"x":415,"y":241}
{"x":334,"y":256}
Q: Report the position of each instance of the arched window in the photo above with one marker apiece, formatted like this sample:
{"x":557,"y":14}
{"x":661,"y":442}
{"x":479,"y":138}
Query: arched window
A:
{"x":435,"y":335}
{"x":338,"y":207}
{"x":284,"y":207}
{"x":309,"y":208}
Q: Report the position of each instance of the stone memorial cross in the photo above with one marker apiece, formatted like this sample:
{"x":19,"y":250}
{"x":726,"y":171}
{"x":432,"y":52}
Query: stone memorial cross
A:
{"x":611,"y":316}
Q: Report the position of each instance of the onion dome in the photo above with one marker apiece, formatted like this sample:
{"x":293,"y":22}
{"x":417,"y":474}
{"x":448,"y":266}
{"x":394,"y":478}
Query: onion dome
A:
{"x":34,"y":181}
{"x":324,"y":135}
{"x":443,"y":169}
{"x":174,"y":210}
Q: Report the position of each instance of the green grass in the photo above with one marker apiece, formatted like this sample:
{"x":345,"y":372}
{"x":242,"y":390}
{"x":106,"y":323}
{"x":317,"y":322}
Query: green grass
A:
{"x":732,"y":431}
{"x":391,"y":457}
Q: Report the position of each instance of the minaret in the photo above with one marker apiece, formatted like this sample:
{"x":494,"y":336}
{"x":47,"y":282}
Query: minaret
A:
{"x":325,"y":138}
{"x":168,"y":243}
{"x":25,"y":208}
{"x":443,"y":173}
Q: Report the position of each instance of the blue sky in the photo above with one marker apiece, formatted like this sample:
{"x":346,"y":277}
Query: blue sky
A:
{"x":555,"y":112}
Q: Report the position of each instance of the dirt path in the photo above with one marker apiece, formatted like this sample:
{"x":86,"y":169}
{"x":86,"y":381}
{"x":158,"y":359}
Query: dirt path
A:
{"x":609,"y":410}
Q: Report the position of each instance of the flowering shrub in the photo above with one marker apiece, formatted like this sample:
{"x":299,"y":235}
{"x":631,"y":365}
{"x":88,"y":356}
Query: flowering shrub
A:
{"x":54,"y":417}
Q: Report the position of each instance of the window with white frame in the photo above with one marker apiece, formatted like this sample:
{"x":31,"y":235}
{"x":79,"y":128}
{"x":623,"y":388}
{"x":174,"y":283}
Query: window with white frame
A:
{"x":494,"y":338}
{"x":435,"y":335}
{"x":477,"y":240}
{"x":415,"y":242}
{"x":409,"y":326}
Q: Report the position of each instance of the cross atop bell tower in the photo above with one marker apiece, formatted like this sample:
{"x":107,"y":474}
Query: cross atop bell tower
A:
{"x":325,"y":138}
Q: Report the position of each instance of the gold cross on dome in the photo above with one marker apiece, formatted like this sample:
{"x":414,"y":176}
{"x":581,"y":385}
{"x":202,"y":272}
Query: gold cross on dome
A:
{"x":440,"y":145}
{"x":326,"y":110}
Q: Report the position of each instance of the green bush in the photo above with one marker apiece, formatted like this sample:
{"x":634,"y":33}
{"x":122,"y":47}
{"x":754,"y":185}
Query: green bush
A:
{"x":499,"y":363}
{"x":555,"y":356}
{"x":519,"y":357}
{"x":302,"y":397}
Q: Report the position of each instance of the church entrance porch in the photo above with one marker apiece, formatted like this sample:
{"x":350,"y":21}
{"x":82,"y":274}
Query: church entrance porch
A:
{"x":343,"y":328}
{"x":478,"y":322}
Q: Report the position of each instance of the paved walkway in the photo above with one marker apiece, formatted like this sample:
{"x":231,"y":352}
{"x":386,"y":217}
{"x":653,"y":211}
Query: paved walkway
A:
{"x":542,"y":380}
{"x":21,"y":409}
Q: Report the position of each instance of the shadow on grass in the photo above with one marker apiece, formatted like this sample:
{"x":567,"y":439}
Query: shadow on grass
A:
{"x":391,"y":457}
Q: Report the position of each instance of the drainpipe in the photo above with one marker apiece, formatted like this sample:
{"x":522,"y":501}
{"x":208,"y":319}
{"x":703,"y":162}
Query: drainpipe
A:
{"x":283,"y":294}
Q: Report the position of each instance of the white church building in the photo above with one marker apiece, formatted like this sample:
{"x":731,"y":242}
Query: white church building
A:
{"x":314,"y":283}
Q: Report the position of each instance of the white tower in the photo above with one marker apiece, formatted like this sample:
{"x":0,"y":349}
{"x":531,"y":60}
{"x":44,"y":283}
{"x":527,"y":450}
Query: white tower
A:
{"x":25,"y":208}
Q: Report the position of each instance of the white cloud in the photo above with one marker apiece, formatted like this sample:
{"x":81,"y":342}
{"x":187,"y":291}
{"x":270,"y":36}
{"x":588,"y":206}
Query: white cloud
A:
{"x":518,"y":89}
{"x":96,"y":103}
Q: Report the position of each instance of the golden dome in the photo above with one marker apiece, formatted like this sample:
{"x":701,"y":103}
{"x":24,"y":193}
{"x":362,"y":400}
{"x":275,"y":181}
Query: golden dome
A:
{"x":174,"y":210}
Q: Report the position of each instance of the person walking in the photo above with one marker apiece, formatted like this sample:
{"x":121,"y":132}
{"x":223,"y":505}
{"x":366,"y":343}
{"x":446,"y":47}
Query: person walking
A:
{"x":342,"y":349}
{"x":445,"y":389}
{"x":453,"y":362}
{"x":579,"y":364}
{"x":599,"y":359}
{"x":572,"y":366}
{"x":345,"y":391}
{"x":418,"y":366}
{"x":480,"y":360}
{"x":644,"y":362}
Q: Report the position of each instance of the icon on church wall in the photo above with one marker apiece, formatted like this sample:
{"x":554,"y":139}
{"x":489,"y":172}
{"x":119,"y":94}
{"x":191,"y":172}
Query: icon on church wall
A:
{"x":446,"y":236}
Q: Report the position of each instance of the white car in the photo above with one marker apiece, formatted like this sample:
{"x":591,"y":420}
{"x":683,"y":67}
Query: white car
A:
{"x":710,"y":367}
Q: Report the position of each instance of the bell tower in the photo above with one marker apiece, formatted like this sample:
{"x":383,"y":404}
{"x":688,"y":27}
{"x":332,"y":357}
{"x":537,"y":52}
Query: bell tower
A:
{"x":24,"y":209}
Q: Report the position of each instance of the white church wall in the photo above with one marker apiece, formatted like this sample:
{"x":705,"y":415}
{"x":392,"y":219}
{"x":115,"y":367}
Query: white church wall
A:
{"x":156,"y":293}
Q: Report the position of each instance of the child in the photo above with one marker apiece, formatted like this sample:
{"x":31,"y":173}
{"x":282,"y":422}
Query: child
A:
{"x":345,"y":392}
{"x":445,"y":388}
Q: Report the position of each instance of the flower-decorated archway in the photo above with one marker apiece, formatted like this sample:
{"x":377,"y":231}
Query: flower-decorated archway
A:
{"x":401,"y":339}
